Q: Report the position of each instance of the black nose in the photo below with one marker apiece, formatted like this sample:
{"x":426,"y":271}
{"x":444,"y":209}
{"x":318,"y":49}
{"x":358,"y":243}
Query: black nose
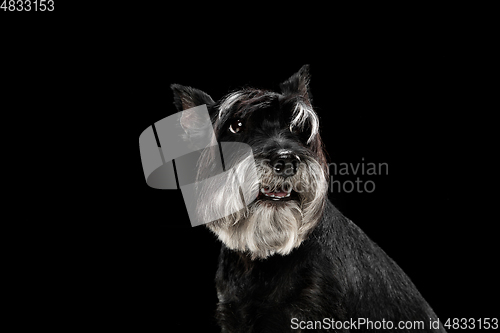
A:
{"x":285,"y":164}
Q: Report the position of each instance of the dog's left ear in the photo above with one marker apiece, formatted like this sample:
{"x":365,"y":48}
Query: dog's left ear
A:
{"x":298,"y":84}
{"x":187,"y":97}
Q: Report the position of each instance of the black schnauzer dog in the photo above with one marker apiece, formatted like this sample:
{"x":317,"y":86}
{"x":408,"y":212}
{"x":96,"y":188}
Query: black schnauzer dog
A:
{"x":290,"y":261}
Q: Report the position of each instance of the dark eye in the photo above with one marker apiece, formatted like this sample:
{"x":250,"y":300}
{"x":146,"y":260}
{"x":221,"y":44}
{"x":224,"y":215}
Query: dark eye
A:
{"x":236,"y":126}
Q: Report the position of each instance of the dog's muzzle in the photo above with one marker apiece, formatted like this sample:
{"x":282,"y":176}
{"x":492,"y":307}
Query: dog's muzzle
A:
{"x":285,"y":163}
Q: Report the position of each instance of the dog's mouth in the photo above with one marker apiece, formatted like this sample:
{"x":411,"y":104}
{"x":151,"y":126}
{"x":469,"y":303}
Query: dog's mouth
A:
{"x":277,"y":194}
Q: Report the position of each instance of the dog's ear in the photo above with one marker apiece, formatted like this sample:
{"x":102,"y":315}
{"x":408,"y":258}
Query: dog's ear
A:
{"x":298,"y":84}
{"x":187,"y":97}
{"x":197,"y":126}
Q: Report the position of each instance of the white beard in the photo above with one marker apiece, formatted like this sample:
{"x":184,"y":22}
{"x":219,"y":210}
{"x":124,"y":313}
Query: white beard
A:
{"x":268,"y":227}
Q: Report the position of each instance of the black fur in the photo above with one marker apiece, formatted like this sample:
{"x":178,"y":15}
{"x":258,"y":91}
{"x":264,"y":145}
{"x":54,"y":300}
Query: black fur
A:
{"x":187,"y":97}
{"x":336,"y":273}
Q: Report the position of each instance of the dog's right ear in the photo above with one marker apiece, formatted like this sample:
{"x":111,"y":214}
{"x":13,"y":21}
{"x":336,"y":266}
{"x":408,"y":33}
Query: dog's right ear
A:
{"x":187,"y":97}
{"x":197,"y":126}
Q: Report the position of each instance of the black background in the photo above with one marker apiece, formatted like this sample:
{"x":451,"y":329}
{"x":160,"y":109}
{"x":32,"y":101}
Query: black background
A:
{"x":409,"y":91}
{"x":410,"y":105}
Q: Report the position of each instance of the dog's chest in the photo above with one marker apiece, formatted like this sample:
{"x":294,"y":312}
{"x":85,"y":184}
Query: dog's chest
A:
{"x":274,"y":290}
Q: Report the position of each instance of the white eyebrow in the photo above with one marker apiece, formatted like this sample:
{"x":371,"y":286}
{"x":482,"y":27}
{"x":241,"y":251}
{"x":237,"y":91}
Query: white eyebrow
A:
{"x":301,"y":114}
{"x":228,"y":102}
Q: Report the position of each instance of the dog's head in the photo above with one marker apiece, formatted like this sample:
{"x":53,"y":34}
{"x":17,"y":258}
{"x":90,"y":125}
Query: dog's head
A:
{"x":283,"y":131}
